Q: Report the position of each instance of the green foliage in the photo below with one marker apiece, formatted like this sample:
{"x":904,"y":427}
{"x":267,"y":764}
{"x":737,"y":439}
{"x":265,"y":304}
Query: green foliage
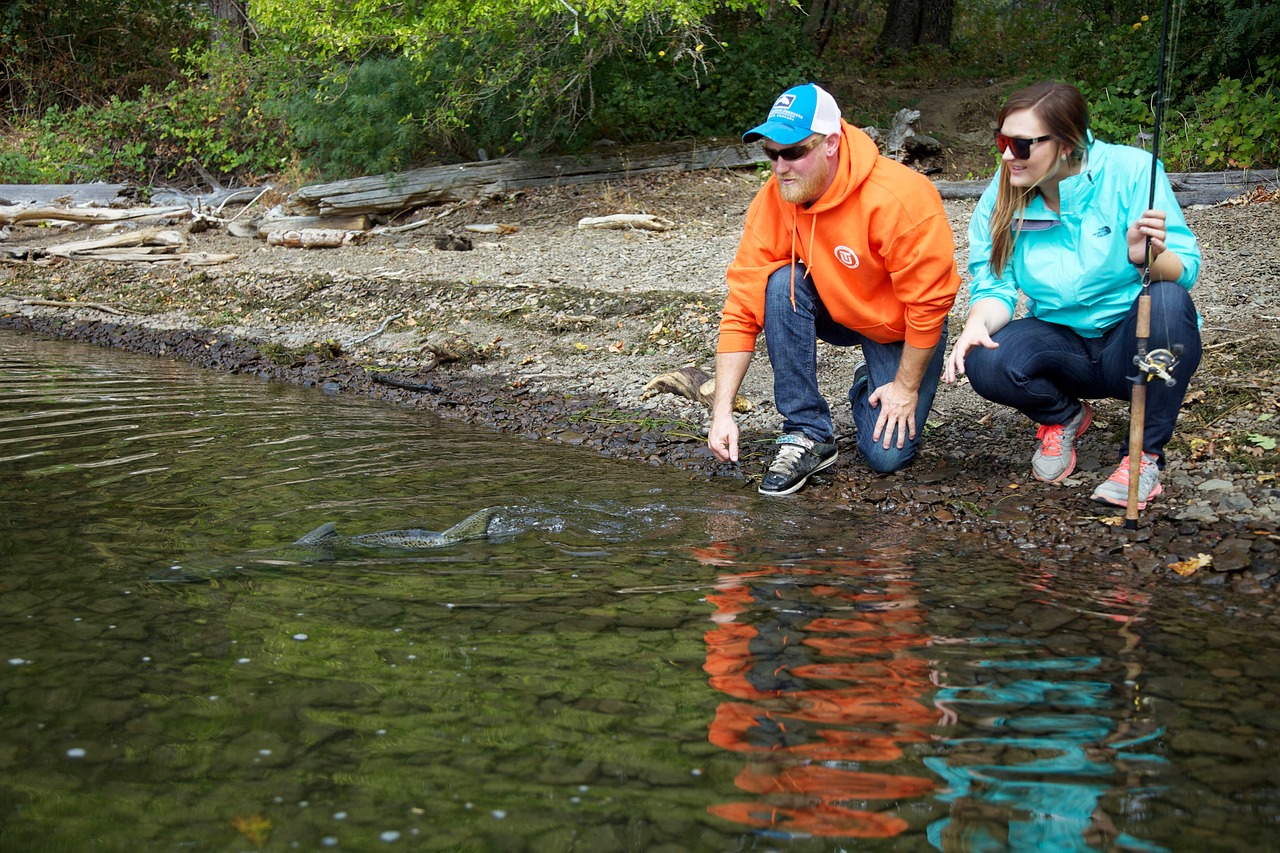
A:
{"x":68,"y":53}
{"x":535,"y":85}
{"x":1232,"y":125}
{"x":364,"y":86}
{"x":364,"y":123}
{"x":212,"y":119}
{"x":713,"y":88}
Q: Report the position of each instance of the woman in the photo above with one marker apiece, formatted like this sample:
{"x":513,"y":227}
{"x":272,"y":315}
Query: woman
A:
{"x":1066,"y":223}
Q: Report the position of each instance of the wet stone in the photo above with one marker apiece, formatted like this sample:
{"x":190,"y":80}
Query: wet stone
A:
{"x":1192,"y":742}
{"x":1231,"y":555}
{"x":1227,"y":778}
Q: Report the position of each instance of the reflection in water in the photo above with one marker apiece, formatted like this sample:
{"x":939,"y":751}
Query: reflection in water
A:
{"x":848,"y":706}
{"x":1045,"y":751}
{"x":822,"y":660}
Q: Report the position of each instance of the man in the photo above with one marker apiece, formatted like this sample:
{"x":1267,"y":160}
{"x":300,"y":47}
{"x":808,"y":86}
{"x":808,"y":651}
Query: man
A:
{"x":845,"y":246}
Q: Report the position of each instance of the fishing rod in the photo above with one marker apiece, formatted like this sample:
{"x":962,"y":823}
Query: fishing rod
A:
{"x":1157,"y":363}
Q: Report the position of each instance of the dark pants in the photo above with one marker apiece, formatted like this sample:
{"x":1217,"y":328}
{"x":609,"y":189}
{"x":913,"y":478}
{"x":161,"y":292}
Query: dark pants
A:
{"x":1043,"y":370}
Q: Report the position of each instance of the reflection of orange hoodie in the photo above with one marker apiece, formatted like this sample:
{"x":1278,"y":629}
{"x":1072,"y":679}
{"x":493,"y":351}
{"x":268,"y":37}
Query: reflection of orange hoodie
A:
{"x":877,"y":244}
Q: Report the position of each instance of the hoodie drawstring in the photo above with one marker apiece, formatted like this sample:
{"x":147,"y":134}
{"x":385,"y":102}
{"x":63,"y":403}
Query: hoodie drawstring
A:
{"x":813,"y":230}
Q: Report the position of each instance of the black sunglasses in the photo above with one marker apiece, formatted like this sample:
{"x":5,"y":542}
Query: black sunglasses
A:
{"x":793,"y":152}
{"x":1020,"y":145}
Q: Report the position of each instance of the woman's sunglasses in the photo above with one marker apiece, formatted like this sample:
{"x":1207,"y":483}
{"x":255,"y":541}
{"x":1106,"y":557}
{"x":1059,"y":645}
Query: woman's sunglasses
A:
{"x":1020,"y":145}
{"x":793,"y":152}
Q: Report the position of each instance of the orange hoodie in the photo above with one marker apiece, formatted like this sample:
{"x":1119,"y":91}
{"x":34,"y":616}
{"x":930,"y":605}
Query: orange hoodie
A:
{"x":877,"y":244}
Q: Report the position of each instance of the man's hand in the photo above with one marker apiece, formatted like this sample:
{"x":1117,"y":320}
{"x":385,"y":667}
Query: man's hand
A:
{"x":722,"y":435}
{"x":722,"y":438}
{"x":897,"y":407}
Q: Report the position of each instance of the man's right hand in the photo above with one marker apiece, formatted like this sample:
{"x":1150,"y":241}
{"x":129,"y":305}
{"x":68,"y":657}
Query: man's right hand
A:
{"x":722,"y":435}
{"x":722,"y":438}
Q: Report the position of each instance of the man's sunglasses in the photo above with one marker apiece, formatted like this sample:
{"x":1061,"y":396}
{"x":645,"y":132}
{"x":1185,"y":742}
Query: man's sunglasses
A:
{"x":793,"y":152}
{"x":1020,"y":145}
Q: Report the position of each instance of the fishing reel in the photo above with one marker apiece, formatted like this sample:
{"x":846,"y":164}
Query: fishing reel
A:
{"x":1158,"y":364}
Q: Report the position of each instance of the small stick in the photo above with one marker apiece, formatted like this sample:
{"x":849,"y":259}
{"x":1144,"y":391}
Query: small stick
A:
{"x":387,"y":322}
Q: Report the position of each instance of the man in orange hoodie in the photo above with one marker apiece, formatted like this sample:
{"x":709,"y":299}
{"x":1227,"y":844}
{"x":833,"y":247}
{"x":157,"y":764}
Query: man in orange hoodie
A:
{"x":846,"y":246}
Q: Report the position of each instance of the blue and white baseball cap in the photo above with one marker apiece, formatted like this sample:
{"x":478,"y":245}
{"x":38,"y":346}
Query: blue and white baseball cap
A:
{"x":799,"y":112}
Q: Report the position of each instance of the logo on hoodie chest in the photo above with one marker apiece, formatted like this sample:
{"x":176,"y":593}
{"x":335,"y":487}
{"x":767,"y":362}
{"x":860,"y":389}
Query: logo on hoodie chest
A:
{"x":847,"y":256}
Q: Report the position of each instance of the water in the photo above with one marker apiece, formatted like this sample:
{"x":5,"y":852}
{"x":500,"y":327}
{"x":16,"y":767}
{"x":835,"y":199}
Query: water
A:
{"x":634,"y":660}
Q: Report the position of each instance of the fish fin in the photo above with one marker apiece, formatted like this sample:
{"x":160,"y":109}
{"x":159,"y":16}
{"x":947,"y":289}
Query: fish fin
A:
{"x":317,"y":537}
{"x":474,"y":526}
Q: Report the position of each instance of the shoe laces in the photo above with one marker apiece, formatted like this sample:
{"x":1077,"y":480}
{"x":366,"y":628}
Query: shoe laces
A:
{"x":1121,"y":474}
{"x":1050,"y":436}
{"x":788,"y":455}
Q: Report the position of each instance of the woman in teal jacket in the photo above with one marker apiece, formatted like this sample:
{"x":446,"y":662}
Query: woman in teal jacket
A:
{"x":1066,"y":223}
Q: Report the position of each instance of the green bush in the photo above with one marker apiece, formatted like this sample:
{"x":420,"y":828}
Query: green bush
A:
{"x":716,"y":88}
{"x":1233,"y":125}
{"x":366,"y":122}
{"x":216,"y":119}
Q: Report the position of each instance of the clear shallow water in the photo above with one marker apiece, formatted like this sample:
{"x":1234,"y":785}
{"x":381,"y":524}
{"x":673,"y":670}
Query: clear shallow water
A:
{"x":637,"y":660}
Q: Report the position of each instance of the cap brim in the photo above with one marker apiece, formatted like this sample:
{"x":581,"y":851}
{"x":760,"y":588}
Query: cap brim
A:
{"x":783,"y":134}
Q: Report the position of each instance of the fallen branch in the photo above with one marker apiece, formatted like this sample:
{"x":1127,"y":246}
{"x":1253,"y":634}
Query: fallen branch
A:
{"x":155,"y":238}
{"x":1222,"y":344}
{"x":61,"y":303}
{"x":314,"y":238}
{"x":643,"y":221}
{"x":387,"y":322}
{"x":12,"y":215}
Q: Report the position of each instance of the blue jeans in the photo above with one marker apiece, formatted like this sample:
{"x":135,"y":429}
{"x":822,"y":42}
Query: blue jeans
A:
{"x":791,"y":337}
{"x":1044,"y":370}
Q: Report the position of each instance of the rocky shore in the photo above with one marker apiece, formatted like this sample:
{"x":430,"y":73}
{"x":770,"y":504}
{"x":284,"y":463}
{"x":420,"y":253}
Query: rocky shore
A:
{"x":525,"y":323}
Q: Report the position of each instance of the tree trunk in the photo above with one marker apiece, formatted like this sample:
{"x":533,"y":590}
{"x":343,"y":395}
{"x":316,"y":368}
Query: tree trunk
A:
{"x":820,"y":22}
{"x":901,"y":30}
{"x":230,"y":30}
{"x":936,"y":17}
{"x":908,"y":24}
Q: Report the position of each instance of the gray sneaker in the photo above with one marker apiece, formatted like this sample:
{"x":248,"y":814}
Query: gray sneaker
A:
{"x":1115,"y":489}
{"x":1055,"y":458}
{"x":798,"y":456}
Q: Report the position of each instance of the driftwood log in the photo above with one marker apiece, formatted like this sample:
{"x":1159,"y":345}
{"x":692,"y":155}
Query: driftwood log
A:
{"x":396,"y":193}
{"x":1189,"y":187}
{"x":625,"y":221}
{"x":692,"y":383}
{"x":314,"y":238}
{"x":271,"y":223}
{"x":12,"y":215}
{"x":492,"y":178}
{"x":45,"y":195}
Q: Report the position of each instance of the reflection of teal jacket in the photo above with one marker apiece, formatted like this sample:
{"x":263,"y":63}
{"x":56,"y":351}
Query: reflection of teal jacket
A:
{"x":1074,"y":266}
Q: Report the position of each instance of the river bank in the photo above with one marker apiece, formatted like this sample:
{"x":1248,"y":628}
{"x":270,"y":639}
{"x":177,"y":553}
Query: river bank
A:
{"x":535,"y":327}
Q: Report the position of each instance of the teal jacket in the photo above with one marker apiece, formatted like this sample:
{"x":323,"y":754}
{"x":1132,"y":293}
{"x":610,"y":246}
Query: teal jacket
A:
{"x":1074,"y":266}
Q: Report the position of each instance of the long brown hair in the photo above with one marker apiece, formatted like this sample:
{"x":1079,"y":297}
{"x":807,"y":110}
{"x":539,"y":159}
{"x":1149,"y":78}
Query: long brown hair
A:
{"x":1064,"y":113}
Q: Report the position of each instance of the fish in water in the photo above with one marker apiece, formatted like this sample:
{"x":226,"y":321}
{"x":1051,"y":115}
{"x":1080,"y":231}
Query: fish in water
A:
{"x":474,"y":526}
{"x":319,"y":545}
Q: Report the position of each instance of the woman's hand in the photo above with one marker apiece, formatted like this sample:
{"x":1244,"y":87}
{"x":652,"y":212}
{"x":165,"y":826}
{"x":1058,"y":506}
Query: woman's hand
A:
{"x":974,"y":334}
{"x":1149,"y":225}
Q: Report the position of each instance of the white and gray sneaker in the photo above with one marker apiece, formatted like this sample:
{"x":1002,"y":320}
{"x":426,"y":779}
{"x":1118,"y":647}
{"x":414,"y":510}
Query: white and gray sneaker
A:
{"x":1055,"y":458}
{"x":798,"y":457}
{"x":1115,"y":489}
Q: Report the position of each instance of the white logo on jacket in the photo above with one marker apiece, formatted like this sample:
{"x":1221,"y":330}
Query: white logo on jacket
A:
{"x":847,"y":256}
